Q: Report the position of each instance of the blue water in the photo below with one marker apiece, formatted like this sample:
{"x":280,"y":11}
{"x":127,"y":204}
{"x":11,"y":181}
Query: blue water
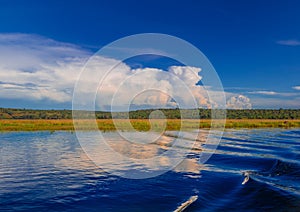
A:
{"x":43,"y":171}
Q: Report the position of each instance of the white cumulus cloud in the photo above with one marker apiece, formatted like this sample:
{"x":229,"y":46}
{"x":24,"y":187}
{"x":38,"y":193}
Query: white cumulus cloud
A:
{"x":33,"y":67}
{"x":239,"y":102}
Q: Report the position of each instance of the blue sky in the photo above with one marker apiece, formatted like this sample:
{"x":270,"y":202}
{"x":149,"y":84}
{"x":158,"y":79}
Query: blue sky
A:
{"x":253,"y":45}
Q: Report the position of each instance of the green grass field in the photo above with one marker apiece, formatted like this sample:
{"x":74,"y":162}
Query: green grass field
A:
{"x":140,"y":124}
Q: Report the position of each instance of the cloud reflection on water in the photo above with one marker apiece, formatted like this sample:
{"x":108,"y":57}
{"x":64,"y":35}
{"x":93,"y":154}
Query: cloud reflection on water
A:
{"x":144,"y":157}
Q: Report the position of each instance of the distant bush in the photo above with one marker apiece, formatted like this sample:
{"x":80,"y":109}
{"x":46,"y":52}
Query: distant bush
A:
{"x":9,"y":113}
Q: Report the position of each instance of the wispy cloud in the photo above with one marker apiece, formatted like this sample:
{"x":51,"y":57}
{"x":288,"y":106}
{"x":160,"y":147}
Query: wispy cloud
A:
{"x":292,"y":42}
{"x":273,"y":99}
{"x":274,"y":93}
{"x":296,"y":88}
{"x":273,"y":102}
{"x":34,"y":67}
{"x":271,"y":93}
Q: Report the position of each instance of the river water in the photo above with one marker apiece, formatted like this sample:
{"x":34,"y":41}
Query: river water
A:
{"x":250,"y":170}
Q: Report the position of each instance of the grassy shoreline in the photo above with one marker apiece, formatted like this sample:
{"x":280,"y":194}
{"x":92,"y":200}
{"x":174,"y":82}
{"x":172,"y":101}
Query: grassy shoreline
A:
{"x":7,"y":125}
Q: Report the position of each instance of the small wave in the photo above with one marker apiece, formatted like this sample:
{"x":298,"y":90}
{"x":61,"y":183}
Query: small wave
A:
{"x":282,"y":175}
{"x":186,"y":204}
{"x":281,"y":168}
{"x":247,"y":177}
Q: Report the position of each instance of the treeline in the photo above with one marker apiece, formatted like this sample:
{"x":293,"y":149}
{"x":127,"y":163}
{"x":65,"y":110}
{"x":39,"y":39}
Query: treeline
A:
{"x":8,"y":113}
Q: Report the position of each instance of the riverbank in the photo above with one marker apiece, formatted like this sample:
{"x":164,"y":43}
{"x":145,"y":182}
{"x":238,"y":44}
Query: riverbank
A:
{"x":138,"y":124}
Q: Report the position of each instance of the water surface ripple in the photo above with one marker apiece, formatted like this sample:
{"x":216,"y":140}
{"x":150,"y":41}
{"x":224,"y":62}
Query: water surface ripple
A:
{"x":251,"y":170}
